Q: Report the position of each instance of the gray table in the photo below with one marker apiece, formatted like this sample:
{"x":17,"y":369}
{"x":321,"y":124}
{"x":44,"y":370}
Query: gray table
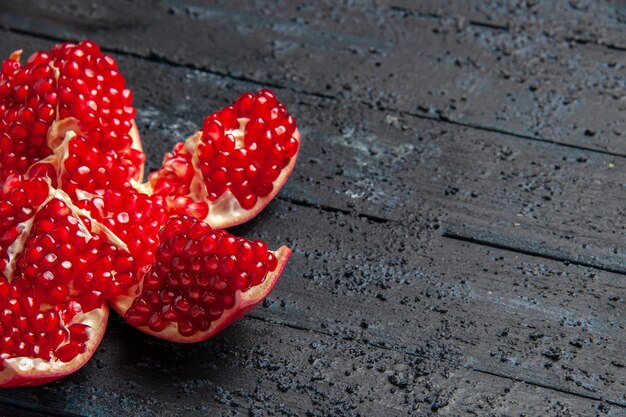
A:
{"x":457,"y":213}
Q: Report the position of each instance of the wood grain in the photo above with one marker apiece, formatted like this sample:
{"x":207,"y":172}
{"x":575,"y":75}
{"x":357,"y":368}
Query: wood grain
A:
{"x":456,"y":213}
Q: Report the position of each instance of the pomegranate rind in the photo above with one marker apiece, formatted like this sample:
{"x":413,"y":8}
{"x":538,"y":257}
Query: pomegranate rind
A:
{"x":226,"y":211}
{"x":244,"y":302}
{"x":26,"y":371}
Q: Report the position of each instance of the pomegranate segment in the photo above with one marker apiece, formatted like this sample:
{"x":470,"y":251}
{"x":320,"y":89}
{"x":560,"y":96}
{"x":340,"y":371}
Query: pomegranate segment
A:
{"x":228,"y":172}
{"x":52,"y":311}
{"x":76,"y":81}
{"x":49,"y":326}
{"x":201,"y":281}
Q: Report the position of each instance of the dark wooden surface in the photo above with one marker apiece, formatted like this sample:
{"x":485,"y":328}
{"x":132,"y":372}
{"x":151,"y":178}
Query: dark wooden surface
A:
{"x":457,"y":213}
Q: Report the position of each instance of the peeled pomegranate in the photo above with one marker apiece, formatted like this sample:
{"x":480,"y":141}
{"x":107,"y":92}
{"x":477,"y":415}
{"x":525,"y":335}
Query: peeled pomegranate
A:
{"x":78,"y":229}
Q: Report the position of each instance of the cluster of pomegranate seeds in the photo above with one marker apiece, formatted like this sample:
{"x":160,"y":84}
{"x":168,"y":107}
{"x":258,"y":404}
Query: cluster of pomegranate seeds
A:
{"x":65,"y":258}
{"x":196,"y":276}
{"x":174,"y":180}
{"x":243,"y":149}
{"x":134,"y":217}
{"x":87,"y":167}
{"x":44,"y":282}
{"x":27,"y":329}
{"x":76,"y":81}
{"x":245,"y":146}
{"x":18,"y":200}
{"x":27,"y":109}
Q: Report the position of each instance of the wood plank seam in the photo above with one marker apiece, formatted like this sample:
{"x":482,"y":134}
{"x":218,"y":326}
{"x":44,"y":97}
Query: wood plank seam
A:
{"x":545,"y":386}
{"x":590,"y":42}
{"x":440,"y":117}
{"x":329,"y":209}
{"x":500,"y":27}
{"x":468,"y":366}
{"x":450,"y":234}
{"x":443,"y":118}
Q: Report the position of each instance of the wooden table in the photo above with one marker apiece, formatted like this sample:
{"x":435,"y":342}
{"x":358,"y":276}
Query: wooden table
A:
{"x":457,"y":213}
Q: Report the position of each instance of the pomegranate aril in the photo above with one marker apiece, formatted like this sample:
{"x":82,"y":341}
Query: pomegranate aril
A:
{"x":156,"y":322}
{"x":212,"y":130}
{"x":186,"y":328}
{"x":240,"y":282}
{"x":136,"y":319}
{"x":196,"y":313}
{"x":258,"y":272}
{"x":69,"y":351}
{"x":247,"y":201}
{"x":182,"y":305}
{"x":169,"y":314}
{"x":228,"y":266}
{"x":218,"y":284}
{"x":79,"y":332}
{"x":226,"y":244}
{"x":90,"y":300}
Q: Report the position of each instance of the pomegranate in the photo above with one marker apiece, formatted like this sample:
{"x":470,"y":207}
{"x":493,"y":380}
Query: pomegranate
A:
{"x":78,"y":228}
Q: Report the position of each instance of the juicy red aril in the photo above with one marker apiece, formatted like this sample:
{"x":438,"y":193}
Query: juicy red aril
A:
{"x":193,"y":291}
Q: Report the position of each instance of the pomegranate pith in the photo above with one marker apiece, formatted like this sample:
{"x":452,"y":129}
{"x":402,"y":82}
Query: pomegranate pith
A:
{"x":78,"y":229}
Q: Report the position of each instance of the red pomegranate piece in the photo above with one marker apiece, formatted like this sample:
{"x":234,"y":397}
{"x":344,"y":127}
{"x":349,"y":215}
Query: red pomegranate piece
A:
{"x":229,"y":171}
{"x":78,"y":228}
{"x":201,"y":281}
{"x":82,"y":87}
{"x":51,"y":320}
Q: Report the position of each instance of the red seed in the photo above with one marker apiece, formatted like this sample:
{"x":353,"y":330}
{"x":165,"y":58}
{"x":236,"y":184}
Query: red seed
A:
{"x":79,"y":332}
{"x":185,"y":328}
{"x":69,"y":351}
{"x":156,"y":322}
{"x":227,"y":244}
